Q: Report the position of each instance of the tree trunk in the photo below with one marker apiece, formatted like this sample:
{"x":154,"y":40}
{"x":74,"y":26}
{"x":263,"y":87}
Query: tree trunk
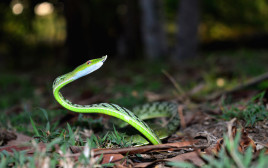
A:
{"x":153,"y":34}
{"x":187,"y":37}
{"x":129,"y":40}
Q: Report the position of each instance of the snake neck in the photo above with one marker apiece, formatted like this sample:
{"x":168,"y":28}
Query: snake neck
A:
{"x":59,"y":83}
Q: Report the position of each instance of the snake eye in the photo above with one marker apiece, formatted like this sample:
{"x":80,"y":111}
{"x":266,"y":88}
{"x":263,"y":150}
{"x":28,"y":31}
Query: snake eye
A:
{"x":88,"y":62}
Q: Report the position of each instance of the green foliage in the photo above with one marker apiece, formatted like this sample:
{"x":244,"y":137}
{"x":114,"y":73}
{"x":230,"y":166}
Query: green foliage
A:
{"x":252,"y":113}
{"x":42,"y":157}
{"x":70,"y":138}
{"x":229,"y":156}
{"x":222,"y":20}
{"x":64,"y":138}
{"x":111,"y":139}
{"x":249,"y":13}
{"x":48,"y":133}
{"x":34,"y":127}
{"x":20,"y":121}
{"x":118,"y":139}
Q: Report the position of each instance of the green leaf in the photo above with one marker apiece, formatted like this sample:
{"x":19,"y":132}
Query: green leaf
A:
{"x":45,"y":113}
{"x":34,"y":127}
{"x":48,"y":126}
{"x":71,"y":135}
{"x":248,"y":156}
{"x":53,"y":142}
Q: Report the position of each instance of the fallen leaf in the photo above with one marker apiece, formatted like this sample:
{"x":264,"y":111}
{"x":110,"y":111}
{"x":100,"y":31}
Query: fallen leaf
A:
{"x":244,"y":143}
{"x":21,"y":138}
{"x":113,"y":158}
{"x":192,"y":157}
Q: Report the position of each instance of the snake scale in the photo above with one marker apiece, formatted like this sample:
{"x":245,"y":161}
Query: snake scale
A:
{"x":135,"y":118}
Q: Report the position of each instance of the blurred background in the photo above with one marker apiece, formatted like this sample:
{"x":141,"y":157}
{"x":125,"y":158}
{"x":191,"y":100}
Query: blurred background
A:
{"x":41,"y":33}
{"x":210,"y":56}
{"x":40,"y":40}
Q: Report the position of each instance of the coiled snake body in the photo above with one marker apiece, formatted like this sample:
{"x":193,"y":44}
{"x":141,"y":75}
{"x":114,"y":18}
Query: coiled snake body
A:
{"x":147,"y":111}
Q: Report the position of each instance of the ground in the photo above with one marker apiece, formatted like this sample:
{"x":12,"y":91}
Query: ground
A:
{"x":211,"y":90}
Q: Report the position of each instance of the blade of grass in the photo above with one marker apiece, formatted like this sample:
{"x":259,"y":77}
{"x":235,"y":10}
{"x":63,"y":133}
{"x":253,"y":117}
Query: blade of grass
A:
{"x":34,"y":127}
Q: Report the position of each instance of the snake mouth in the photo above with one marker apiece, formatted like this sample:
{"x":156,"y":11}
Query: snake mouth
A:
{"x":104,"y":58}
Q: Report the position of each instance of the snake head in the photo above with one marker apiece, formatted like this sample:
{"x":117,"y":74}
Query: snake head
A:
{"x":88,"y":67}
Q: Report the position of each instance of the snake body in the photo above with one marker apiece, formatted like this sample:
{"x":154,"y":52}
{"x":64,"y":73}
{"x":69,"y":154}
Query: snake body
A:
{"x":147,"y":111}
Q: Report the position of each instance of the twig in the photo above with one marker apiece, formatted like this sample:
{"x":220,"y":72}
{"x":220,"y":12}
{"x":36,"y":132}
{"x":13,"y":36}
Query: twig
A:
{"x":230,"y":136}
{"x":173,"y":81}
{"x":141,"y":149}
{"x":229,"y":127}
{"x":249,"y":83}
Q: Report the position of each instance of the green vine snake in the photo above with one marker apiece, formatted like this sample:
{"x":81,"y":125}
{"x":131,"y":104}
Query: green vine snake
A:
{"x":135,"y":118}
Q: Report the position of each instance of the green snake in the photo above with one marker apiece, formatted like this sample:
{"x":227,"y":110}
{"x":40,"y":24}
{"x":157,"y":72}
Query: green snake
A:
{"x":135,"y":118}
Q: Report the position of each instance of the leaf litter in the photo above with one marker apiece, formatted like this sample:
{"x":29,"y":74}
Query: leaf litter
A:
{"x":201,"y":132}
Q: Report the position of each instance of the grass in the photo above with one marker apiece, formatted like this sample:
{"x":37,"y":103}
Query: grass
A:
{"x":112,"y":139}
{"x":126,"y":88}
{"x":252,"y":112}
{"x":67,"y":137}
{"x":42,"y":158}
{"x":20,"y":122}
{"x":64,"y":138}
{"x":47,"y":134}
{"x":229,"y":156}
